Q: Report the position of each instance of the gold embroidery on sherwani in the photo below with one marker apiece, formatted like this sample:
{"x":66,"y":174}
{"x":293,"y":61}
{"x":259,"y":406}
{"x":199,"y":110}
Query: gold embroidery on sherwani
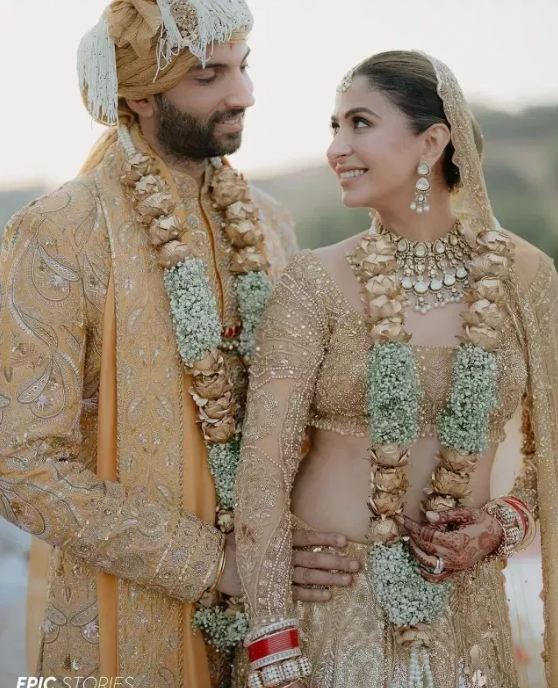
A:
{"x":55,"y":265}
{"x":308,"y":325}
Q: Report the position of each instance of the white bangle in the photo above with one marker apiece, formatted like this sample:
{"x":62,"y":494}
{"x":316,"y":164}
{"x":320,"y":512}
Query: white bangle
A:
{"x":269,"y":629}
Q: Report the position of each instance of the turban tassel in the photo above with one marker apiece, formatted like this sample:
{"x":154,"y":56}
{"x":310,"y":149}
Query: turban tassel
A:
{"x":97,"y":73}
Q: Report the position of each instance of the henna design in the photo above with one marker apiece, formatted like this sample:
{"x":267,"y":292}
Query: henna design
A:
{"x":460,"y":516}
{"x":490,"y":539}
{"x":460,"y":549}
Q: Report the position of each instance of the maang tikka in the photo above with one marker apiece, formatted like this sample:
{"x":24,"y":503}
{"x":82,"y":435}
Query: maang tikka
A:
{"x":420,"y":204}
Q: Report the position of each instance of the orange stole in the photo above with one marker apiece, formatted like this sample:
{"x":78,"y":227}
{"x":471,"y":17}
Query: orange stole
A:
{"x":198,"y":498}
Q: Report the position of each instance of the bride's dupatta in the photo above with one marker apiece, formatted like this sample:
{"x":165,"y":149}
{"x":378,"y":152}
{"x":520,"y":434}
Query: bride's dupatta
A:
{"x":532,"y":290}
{"x":534,"y":298}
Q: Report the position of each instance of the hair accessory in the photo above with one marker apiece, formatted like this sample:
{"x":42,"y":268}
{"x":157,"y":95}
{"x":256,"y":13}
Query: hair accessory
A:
{"x":347,"y":82}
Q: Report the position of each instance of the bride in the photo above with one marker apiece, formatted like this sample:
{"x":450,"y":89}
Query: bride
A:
{"x":401,"y":353}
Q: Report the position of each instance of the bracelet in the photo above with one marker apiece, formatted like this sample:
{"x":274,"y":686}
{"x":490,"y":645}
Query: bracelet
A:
{"x":220,"y":567}
{"x":520,"y":511}
{"x":530,"y":525}
{"x":512,"y":526}
{"x":294,"y":653}
{"x":274,"y":676}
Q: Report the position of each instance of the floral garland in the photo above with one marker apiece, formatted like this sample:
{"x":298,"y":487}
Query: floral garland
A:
{"x":410,"y":602}
{"x":199,"y":333}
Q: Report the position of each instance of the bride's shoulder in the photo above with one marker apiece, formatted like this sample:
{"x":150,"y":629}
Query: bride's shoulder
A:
{"x":529,"y":261}
{"x":315,"y":271}
{"x":330,"y":255}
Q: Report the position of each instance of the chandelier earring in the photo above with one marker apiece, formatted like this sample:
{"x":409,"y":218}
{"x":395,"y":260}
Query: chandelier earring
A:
{"x":420,"y":204}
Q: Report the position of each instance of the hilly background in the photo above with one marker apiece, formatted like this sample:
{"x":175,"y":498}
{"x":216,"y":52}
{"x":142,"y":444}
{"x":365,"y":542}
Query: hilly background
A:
{"x":521,"y":167}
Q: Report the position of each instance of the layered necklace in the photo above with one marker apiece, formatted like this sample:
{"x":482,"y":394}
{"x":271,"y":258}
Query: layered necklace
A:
{"x":382,"y":261}
{"x":432,"y":273}
{"x":199,"y":333}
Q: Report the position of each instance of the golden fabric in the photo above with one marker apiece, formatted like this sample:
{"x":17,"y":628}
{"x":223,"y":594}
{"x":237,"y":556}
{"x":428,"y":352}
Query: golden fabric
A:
{"x":56,"y":261}
{"x":307,"y":326}
{"x":107,"y":462}
{"x":350,"y":644}
{"x":339,"y":404}
{"x":37,"y":592}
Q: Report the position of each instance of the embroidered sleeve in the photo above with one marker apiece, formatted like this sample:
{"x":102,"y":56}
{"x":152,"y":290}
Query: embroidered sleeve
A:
{"x":44,"y":489}
{"x":525,"y":485}
{"x":283,"y":373}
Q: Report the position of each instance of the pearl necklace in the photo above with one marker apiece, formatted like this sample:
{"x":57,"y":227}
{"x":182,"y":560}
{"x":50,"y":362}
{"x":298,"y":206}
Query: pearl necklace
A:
{"x":432,"y":273}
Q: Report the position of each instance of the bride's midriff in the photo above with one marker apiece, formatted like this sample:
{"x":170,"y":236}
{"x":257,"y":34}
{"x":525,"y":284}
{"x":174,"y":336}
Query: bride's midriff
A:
{"x":332,"y":485}
{"x":333,"y":482}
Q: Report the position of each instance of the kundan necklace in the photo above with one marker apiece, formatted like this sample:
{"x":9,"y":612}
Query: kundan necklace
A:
{"x":410,"y":603}
{"x":432,"y":273}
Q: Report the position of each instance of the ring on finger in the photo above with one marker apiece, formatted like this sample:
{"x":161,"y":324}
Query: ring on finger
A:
{"x":440,"y":566}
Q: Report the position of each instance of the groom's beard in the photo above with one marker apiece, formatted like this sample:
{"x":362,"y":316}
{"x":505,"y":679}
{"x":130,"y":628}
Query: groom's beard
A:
{"x":186,"y":137}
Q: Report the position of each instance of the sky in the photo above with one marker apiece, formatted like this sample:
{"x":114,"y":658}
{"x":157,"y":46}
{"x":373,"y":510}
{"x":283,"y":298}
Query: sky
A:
{"x":504,"y":53}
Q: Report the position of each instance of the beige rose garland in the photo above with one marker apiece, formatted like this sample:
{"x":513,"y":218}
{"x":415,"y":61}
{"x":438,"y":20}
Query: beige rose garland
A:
{"x":394,"y":395}
{"x":199,"y":331}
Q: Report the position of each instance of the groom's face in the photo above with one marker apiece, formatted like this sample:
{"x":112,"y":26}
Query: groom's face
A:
{"x":203,"y":116}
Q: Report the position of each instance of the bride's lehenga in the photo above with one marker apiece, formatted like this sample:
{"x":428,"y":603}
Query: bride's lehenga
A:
{"x":311,"y":370}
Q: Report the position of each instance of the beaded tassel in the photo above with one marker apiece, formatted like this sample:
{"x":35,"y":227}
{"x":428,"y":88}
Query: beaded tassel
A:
{"x":97,"y":73}
{"x":420,"y":672}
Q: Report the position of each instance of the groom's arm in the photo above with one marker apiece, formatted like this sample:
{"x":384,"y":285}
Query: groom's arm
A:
{"x":45,"y":487}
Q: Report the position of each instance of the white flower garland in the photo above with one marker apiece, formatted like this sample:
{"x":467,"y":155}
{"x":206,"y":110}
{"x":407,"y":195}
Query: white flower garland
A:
{"x":463,"y":424}
{"x":393,"y":394}
{"x":224,"y":631}
{"x":223,"y":464}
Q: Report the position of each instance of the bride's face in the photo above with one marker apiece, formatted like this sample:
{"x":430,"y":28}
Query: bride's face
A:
{"x":374,"y":151}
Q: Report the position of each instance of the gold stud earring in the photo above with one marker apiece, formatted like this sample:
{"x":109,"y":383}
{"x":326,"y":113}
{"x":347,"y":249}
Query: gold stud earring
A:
{"x":420,"y":204}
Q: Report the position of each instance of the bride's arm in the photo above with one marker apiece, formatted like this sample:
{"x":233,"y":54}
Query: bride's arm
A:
{"x":290,"y":349}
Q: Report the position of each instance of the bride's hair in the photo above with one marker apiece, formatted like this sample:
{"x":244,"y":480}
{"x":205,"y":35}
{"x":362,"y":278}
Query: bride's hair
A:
{"x":409,"y":81}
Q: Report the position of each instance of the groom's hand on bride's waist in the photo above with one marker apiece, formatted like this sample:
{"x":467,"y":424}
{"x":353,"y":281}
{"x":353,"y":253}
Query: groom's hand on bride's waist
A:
{"x":317,"y":568}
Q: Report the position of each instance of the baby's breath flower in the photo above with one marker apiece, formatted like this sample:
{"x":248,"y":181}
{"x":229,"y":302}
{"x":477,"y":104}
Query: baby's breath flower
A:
{"x":223,"y":462}
{"x":252,"y":292}
{"x":393,"y":394}
{"x":402,"y":592}
{"x":224,"y":631}
{"x":463,"y":424}
{"x":196,"y":321}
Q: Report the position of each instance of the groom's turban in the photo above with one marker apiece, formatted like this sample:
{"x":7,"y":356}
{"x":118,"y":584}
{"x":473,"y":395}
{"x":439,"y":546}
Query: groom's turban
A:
{"x":143,"y":47}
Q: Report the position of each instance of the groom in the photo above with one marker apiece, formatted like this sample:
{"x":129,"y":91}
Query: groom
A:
{"x":102,"y":452}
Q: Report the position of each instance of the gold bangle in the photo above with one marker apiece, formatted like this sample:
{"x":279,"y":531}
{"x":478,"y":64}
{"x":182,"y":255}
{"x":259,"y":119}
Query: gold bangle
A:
{"x":220,"y":567}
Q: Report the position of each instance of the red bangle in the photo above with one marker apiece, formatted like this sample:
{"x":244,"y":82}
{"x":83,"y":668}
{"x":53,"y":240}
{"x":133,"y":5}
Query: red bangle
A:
{"x":519,"y":507}
{"x":279,"y":642}
{"x":519,"y":502}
